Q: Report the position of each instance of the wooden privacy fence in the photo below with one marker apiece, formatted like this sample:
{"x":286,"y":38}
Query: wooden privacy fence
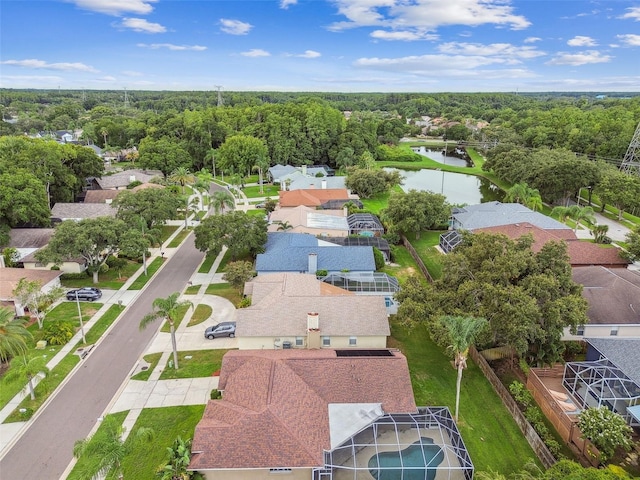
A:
{"x":417,"y":258}
{"x":527,"y":430}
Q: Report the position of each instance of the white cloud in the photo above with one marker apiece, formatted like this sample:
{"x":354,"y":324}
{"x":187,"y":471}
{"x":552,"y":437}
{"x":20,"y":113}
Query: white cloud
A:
{"x":142,"y":25}
{"x":426,"y":14}
{"x":234,"y":27}
{"x":116,"y":7}
{"x":309,"y":54}
{"x":532,"y":39}
{"x":131,"y":73}
{"x":633,"y":14}
{"x":505,"y":50}
{"x":581,"y":58}
{"x":431,"y":64}
{"x":403,"y":35}
{"x":629,"y":39}
{"x":287,"y":3}
{"x":105,"y":79}
{"x":41,"y":64}
{"x":170,"y":46}
{"x":581,"y":41}
{"x":256,"y":52}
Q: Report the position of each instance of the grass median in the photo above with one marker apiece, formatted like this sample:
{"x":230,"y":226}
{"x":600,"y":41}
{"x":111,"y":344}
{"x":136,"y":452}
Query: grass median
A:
{"x":142,"y":279}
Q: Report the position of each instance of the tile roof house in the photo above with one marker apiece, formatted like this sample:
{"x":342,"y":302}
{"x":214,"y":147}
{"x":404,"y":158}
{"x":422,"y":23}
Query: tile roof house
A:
{"x":312,"y":197}
{"x":614,"y":302}
{"x":303,"y":253}
{"x":79,"y":211}
{"x":303,"y":219}
{"x":580,"y":253}
{"x":294,"y":310}
{"x":9,"y":278}
{"x":301,"y":412}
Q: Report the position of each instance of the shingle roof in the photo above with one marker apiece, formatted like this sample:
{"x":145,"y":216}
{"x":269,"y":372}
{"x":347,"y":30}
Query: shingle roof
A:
{"x":30,"y":237}
{"x":296,"y":259}
{"x":491,"y":214}
{"x":274,"y":411}
{"x":311,"y":197}
{"x":9,"y":278}
{"x":101,"y":196}
{"x":281,"y":302}
{"x":613,"y":294}
{"x":122,"y":179}
{"x":73,"y":211}
{"x":624,"y":353}
{"x":580,"y":253}
{"x":303,"y":182}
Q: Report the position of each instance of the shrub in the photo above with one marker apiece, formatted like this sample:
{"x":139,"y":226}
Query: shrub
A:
{"x":75,"y":276}
{"x":244,"y":303}
{"x":606,"y":429}
{"x":521,"y":395}
{"x":378,"y":257}
{"x":55,"y":267}
{"x":134,"y":184}
{"x":322,"y":273}
{"x":216,"y":394}
{"x":59,"y":332}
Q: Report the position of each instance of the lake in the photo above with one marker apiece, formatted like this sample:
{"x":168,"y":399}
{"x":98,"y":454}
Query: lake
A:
{"x":459,"y":188}
{"x":437,"y":155}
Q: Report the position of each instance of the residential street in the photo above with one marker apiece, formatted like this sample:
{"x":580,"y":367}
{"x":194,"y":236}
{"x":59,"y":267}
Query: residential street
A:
{"x":45,"y":449}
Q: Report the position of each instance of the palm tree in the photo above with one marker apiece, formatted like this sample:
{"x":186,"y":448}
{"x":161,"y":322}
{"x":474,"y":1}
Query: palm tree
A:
{"x":106,"y":449}
{"x":284,"y":226}
{"x":462,"y":333}
{"x":13,"y":335}
{"x":579,"y":214}
{"x":203,"y":183}
{"x":561,"y":212}
{"x":27,"y":369}
{"x":517,"y":193}
{"x":534,"y":201}
{"x":599,"y":233}
{"x":261,"y":165}
{"x":167,"y":308}
{"x":182,"y":176}
{"x":221,"y":200}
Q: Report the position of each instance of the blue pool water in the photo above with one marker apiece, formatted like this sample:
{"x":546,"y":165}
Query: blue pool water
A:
{"x":422,"y":456}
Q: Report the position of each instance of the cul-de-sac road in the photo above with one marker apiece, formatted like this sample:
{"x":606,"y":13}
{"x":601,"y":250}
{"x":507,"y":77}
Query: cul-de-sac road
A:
{"x":45,"y":449}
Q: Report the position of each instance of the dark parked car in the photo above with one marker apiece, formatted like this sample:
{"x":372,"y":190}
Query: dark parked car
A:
{"x":224,"y":329}
{"x":85,"y":293}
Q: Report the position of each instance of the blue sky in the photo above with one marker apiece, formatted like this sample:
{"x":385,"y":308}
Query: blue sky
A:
{"x":321,"y":45}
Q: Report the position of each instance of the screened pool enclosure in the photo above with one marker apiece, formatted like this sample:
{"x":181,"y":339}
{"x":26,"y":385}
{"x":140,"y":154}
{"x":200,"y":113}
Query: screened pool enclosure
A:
{"x":422,"y":446}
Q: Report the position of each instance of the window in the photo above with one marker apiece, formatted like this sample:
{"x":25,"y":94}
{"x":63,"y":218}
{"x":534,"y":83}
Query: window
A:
{"x":279,"y":470}
{"x":299,"y":342}
{"x":580,"y":330}
{"x":387,"y":302}
{"x":326,"y":341}
{"x":353,"y":341}
{"x":614,"y":331}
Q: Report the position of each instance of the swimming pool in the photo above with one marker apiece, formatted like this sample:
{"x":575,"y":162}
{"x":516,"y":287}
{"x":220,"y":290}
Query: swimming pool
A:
{"x":419,"y":461}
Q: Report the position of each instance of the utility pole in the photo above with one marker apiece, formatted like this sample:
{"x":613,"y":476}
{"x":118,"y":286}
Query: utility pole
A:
{"x":220,"y":101}
{"x":631,"y":162}
{"x":126,"y":99}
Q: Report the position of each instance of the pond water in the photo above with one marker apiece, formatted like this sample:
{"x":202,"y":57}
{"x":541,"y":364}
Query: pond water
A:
{"x":459,"y":188}
{"x":438,"y":155}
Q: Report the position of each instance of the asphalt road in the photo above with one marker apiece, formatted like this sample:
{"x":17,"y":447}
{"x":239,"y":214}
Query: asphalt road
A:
{"x":45,"y":449}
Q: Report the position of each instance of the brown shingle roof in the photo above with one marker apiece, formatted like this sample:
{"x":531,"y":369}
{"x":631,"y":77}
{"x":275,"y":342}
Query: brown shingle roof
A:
{"x":613,"y":294}
{"x":9,"y":278}
{"x":101,"y":196}
{"x":274,"y":411}
{"x":580,"y":252}
{"x":30,"y":237}
{"x":281,"y":302}
{"x":311,"y":197}
{"x":72,"y":211}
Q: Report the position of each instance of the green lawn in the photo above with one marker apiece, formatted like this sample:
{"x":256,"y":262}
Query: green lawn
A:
{"x":203,"y":363}
{"x":268,"y":191}
{"x":142,"y":280}
{"x":167,"y":231}
{"x":258,"y":212}
{"x":227,"y":258}
{"x":426,"y":248}
{"x":224,"y":290}
{"x":192,"y":290}
{"x":207,"y":264}
{"x":168,"y":423}
{"x":110,"y":279}
{"x":178,"y":239}
{"x":45,"y":388}
{"x":152,"y":359}
{"x":182,"y":311}
{"x":403,"y":264}
{"x":202,"y":313}
{"x":490,"y":434}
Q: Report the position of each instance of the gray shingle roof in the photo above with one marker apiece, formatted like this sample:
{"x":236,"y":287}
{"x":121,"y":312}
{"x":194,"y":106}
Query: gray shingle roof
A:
{"x":30,"y":237}
{"x":624,"y":353}
{"x":296,"y":259}
{"x":301,"y":182}
{"x":122,"y":179}
{"x":73,"y":211}
{"x":491,"y":214}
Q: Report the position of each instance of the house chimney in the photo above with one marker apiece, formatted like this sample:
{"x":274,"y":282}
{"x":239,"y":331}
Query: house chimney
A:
{"x":313,"y":321}
{"x":304,"y":169}
{"x":324,"y":184}
{"x":313,"y":263}
{"x":132,"y":178}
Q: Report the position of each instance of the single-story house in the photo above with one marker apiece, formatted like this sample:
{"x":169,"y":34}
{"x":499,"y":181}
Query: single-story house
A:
{"x":581,"y":253}
{"x":326,"y":223}
{"x":609,"y":377}
{"x":312,"y":197}
{"x":368,"y":284}
{"x":295,"y":310}
{"x":355,"y":241}
{"x":29,"y":240}
{"x":289,"y":174}
{"x":365,"y":224}
{"x":330,"y":414}
{"x":107,"y":196}
{"x":303,"y":253}
{"x":614,"y":302}
{"x":493,"y":214}
{"x":79,"y":211}
{"x":120,"y":180}
{"x":9,"y":278}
